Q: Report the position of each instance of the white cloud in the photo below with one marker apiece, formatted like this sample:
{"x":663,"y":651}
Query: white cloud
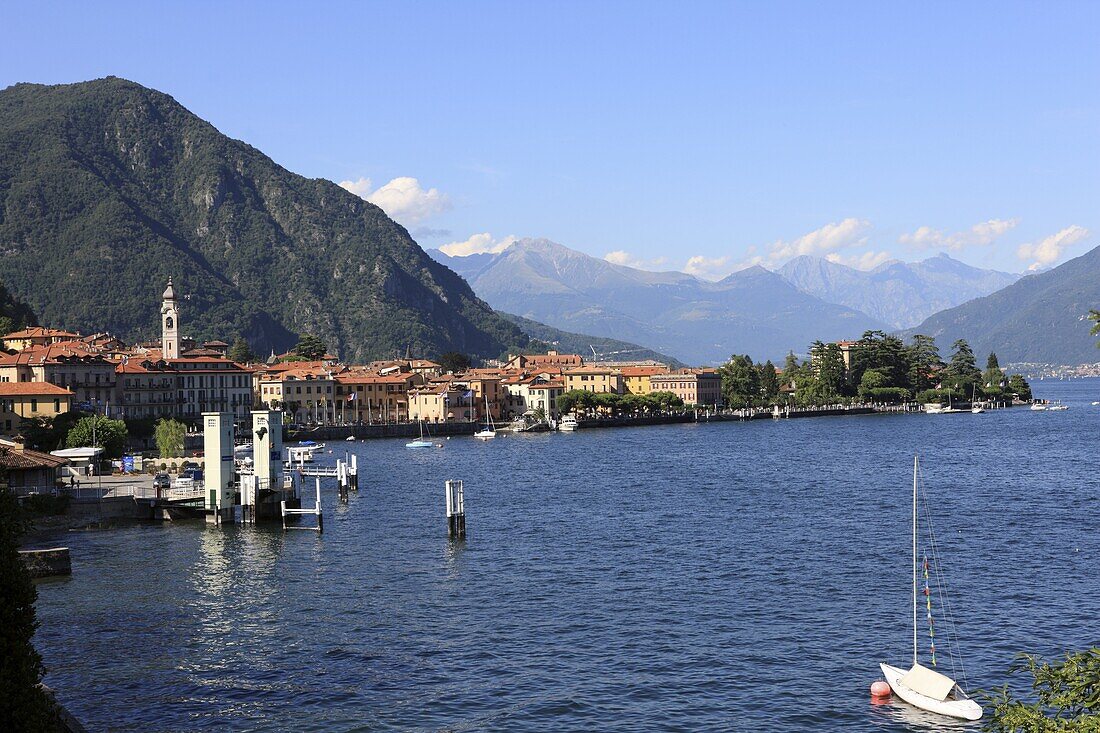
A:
{"x":708,"y":268}
{"x":478,"y":244}
{"x":1048,"y":251}
{"x":980,"y":235}
{"x":402,"y":199}
{"x":862,"y":261}
{"x":622,"y":257}
{"x":850,"y":232}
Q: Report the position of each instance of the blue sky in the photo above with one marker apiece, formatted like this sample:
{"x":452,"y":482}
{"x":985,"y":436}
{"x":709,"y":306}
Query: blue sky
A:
{"x":688,"y":135}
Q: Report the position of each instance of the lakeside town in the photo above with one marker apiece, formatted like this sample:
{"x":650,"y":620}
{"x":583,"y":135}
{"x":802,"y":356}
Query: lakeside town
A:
{"x":51,"y":379}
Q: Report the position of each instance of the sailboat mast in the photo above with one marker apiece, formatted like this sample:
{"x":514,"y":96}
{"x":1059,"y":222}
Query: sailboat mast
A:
{"x":914,"y":560}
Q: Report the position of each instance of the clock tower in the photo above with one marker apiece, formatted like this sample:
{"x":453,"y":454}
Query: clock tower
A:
{"x":169,"y":324}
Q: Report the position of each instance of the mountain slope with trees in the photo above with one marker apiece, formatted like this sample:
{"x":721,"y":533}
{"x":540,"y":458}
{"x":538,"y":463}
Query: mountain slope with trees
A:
{"x":107,"y":188}
{"x":1041,"y":318}
{"x":14,"y":314}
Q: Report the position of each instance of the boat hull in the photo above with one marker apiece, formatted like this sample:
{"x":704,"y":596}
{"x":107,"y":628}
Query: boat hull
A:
{"x":964,"y":709}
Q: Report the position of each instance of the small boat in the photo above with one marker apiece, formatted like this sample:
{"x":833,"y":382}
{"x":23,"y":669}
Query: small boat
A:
{"x":350,"y":439}
{"x":1038,"y":406}
{"x":922,"y":686}
{"x":422,"y":442}
{"x":568,"y":423}
{"x":977,"y":409}
{"x":1094,"y":404}
{"x":489,"y":431}
{"x":933,"y":408}
{"x":1058,"y":406}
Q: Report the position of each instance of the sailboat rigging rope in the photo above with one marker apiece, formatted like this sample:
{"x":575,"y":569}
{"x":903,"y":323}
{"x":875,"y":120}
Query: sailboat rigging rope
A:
{"x":953,"y":649}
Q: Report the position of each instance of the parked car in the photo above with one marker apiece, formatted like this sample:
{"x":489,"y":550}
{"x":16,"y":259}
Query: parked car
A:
{"x":162,"y":481}
{"x":195,"y":474}
{"x":188,"y":464}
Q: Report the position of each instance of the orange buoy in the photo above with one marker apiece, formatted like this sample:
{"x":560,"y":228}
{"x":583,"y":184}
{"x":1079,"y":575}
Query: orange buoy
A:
{"x":880,"y":689}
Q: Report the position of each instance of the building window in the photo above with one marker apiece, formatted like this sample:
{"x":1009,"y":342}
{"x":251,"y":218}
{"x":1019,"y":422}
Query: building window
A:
{"x":57,"y":405}
{"x":34,"y":405}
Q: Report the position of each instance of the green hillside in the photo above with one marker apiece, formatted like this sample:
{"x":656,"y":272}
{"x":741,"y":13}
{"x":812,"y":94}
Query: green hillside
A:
{"x":1040,"y":318}
{"x":566,"y":342}
{"x":108,"y":188}
{"x":14,"y":314}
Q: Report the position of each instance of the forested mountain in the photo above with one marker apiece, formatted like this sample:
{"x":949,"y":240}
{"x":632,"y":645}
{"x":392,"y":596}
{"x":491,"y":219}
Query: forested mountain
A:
{"x":900,"y":293}
{"x":607,"y":349}
{"x":753,"y":311}
{"x":1041,"y":318}
{"x":14,"y":314}
{"x":107,"y":188}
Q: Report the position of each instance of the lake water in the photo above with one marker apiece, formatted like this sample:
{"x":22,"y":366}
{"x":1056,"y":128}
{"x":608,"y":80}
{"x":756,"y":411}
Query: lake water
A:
{"x":737,"y":576}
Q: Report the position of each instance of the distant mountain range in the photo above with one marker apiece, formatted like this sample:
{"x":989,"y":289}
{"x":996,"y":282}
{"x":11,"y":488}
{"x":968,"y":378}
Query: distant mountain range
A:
{"x":107,"y":188}
{"x":900,"y":293}
{"x":1041,"y":318}
{"x":607,"y":349}
{"x":753,"y":311}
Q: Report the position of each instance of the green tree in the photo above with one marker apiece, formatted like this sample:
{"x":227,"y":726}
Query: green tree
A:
{"x":24,"y":705}
{"x":169,"y":436}
{"x":241,"y":352}
{"x":827,"y":363}
{"x":454,"y":362}
{"x":924,"y":363}
{"x":769,"y":383}
{"x":1067,"y":697}
{"x":49,"y":433}
{"x":310,"y":348}
{"x":961,"y":371}
{"x":109,"y":434}
{"x":993,"y":379}
{"x":1094,"y":316}
{"x":1017,"y":385}
{"x":740,"y":381}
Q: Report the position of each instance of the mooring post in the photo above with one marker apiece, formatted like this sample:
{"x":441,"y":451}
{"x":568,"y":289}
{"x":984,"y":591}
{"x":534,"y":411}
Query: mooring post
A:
{"x":282,"y":511}
{"x":353,"y":477}
{"x":317,"y":509}
{"x":456,"y":509}
{"x":342,"y":480}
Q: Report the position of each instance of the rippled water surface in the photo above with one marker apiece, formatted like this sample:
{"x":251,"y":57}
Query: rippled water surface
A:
{"x":741,"y":577}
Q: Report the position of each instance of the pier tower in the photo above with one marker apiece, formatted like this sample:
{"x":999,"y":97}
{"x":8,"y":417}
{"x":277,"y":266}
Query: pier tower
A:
{"x":218,"y":450}
{"x":169,"y":323}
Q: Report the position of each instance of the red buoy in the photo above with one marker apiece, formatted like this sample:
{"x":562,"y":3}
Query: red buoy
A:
{"x":880,"y":688}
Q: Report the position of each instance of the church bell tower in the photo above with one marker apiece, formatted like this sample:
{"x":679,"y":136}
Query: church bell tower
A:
{"x":169,"y":324}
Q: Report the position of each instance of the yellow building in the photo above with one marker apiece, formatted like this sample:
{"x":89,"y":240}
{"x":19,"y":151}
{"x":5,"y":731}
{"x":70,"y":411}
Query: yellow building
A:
{"x":368,"y":398}
{"x":25,"y":400}
{"x":636,"y":378}
{"x":35,"y":336}
{"x":442,"y":402}
{"x":306,"y":395}
{"x":593,"y":379}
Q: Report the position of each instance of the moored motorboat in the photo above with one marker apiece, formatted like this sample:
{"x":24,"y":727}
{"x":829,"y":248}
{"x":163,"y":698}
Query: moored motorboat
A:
{"x":568,"y":423}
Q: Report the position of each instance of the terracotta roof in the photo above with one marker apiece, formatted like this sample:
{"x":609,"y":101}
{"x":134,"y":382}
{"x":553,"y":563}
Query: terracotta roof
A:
{"x":367,"y":378}
{"x":10,"y":389}
{"x":11,"y":458}
{"x":642,"y":371}
{"x":49,"y":353}
{"x":40,"y":332}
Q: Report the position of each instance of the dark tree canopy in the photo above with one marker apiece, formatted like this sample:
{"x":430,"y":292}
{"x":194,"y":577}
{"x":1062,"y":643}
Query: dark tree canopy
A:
{"x":454,"y":361}
{"x":24,"y":705}
{"x":310,"y":347}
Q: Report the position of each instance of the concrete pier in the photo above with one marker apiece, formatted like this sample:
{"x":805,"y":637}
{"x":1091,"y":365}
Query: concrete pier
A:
{"x":47,"y":563}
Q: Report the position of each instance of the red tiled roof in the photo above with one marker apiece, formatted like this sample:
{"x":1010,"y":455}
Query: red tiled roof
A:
{"x":39,"y":332}
{"x":11,"y":389}
{"x":28,"y":459}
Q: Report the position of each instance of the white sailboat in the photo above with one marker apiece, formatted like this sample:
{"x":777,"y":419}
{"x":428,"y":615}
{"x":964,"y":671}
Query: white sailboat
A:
{"x":921,"y":686}
{"x":490,"y":430}
{"x":421,"y":442}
